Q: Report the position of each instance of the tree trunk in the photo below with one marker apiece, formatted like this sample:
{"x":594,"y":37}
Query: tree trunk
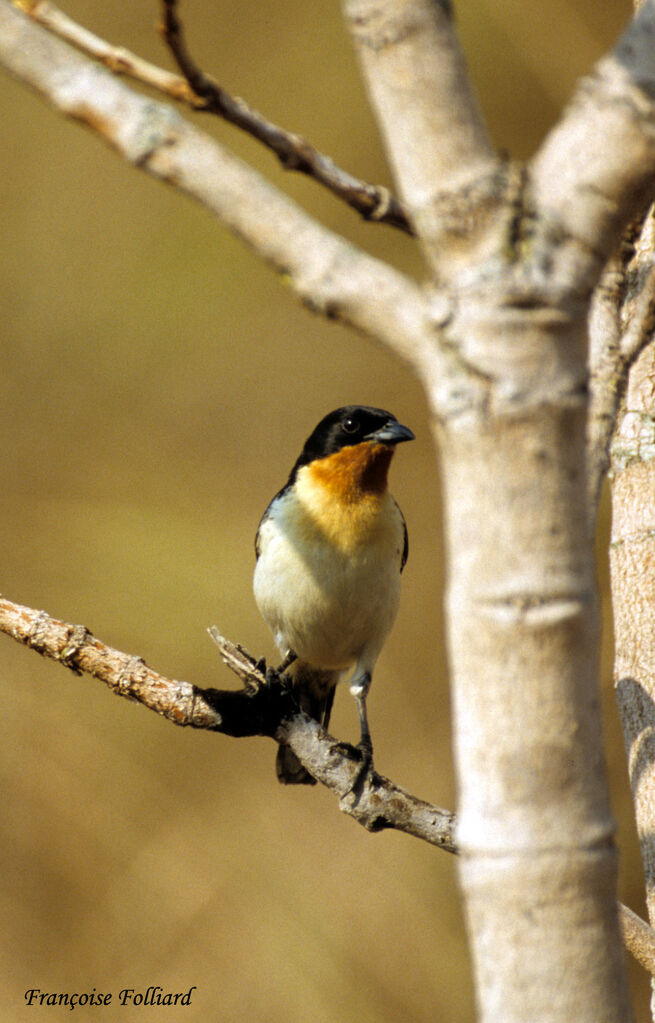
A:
{"x":538,"y":867}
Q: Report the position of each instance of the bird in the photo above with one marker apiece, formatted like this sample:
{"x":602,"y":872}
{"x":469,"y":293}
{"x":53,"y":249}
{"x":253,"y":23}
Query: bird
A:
{"x":330,"y":549}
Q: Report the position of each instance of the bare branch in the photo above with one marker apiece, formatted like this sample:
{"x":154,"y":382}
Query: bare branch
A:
{"x":126,"y":675}
{"x":332,"y":276}
{"x":421,"y":90}
{"x":597,"y":167}
{"x":117,"y":59}
{"x":264,"y":707}
{"x":638,"y":938}
{"x":203,"y":93}
{"x":373,"y":202}
{"x":425,"y":105}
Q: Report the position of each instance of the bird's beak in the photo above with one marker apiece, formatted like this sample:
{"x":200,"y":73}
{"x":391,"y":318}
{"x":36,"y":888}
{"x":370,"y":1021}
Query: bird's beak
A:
{"x":391,"y":433}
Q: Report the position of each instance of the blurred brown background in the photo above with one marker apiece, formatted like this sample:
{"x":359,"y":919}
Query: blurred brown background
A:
{"x":156,"y":384}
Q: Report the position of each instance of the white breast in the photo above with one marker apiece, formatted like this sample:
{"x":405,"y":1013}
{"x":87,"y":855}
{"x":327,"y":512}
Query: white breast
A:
{"x":327,"y":580}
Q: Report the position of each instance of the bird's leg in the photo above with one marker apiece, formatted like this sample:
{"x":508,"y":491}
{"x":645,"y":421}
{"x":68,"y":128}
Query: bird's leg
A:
{"x":274,"y":675}
{"x":359,"y":690}
{"x":288,"y":659}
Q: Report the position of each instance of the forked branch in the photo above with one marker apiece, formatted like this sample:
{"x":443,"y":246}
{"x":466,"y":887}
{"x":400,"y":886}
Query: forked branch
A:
{"x":202,"y":92}
{"x":373,"y":202}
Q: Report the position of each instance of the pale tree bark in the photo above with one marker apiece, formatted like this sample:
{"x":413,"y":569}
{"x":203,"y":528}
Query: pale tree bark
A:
{"x":535,"y":828}
{"x":632,"y":558}
{"x":632,"y":551}
{"x":499,"y":339}
{"x":622,"y":335}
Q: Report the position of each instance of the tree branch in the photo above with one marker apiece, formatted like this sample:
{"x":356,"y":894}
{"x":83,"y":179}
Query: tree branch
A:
{"x":638,"y":938}
{"x":203,"y":93}
{"x":265,"y":706}
{"x":428,"y":114}
{"x":373,"y":202}
{"x":416,"y":73}
{"x":596,"y":168}
{"x":117,"y":59}
{"x":331,"y":276}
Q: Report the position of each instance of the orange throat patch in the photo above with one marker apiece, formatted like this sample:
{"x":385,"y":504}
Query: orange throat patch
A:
{"x":355,"y":472}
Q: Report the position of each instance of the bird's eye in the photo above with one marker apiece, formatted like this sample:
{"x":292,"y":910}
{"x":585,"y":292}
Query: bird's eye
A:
{"x":350,"y":425}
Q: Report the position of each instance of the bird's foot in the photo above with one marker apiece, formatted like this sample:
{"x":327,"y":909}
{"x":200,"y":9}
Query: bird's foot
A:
{"x":365,"y":750}
{"x":277,"y":676}
{"x":275,"y":679}
{"x":364,"y":770}
{"x":286,"y":662}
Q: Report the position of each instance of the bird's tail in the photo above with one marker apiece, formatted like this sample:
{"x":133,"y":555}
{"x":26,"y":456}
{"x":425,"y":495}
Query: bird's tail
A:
{"x":314,"y":689}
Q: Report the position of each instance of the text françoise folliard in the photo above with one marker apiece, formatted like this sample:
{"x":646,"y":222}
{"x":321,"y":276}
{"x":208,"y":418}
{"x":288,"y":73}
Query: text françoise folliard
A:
{"x":153,"y":995}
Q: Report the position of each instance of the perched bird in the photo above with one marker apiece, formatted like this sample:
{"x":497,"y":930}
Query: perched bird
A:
{"x":330,"y":549}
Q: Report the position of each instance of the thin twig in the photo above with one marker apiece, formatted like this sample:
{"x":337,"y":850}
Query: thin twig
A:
{"x":117,"y":59}
{"x":198,"y":90}
{"x":373,"y":202}
{"x":262,"y":709}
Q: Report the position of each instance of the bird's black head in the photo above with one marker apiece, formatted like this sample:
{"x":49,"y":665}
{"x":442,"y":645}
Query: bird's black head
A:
{"x":352,"y":424}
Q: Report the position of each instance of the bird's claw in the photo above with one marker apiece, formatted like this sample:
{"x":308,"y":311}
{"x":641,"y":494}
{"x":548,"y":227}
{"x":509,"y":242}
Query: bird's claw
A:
{"x":365,"y":749}
{"x":363,"y":753}
{"x":274,"y":678}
